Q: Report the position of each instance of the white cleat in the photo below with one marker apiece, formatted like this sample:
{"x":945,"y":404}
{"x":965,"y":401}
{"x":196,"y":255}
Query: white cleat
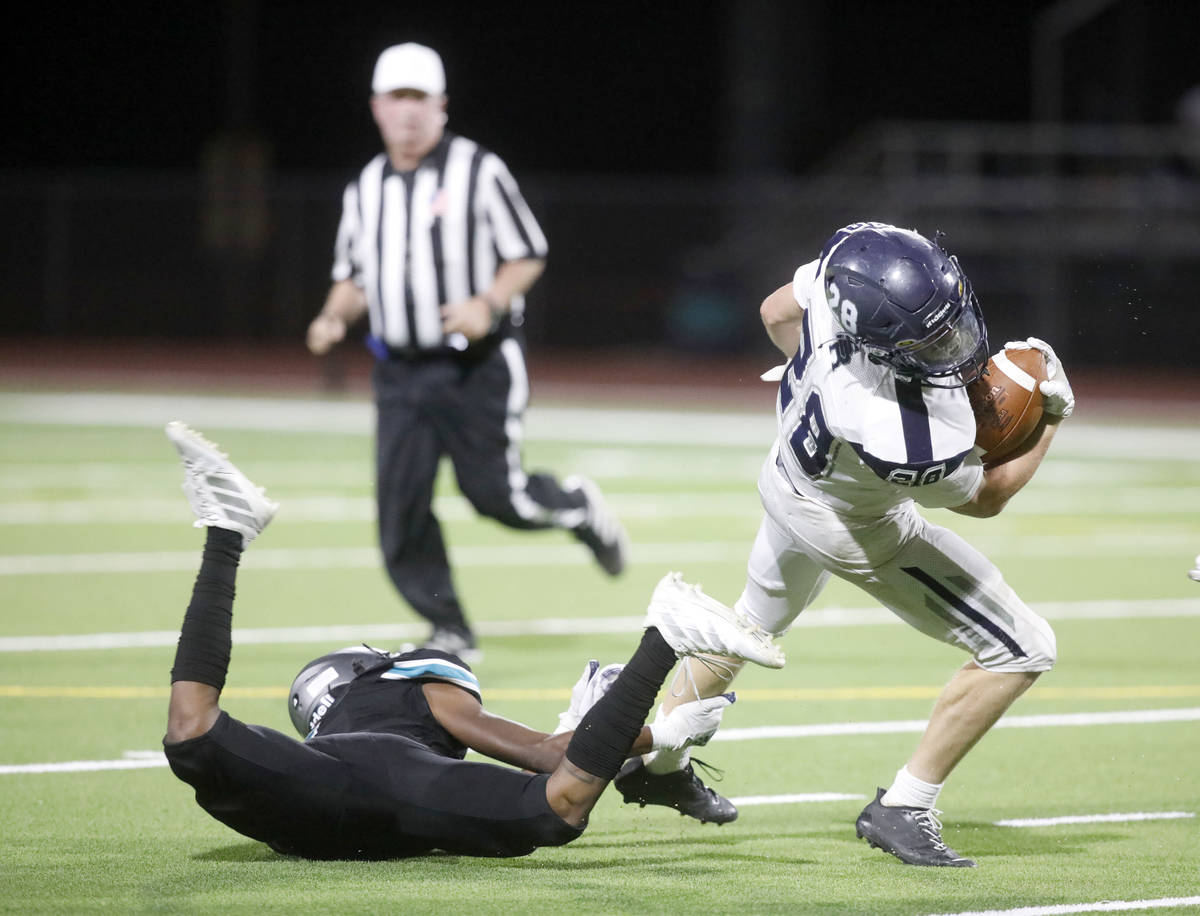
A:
{"x":220,"y":494}
{"x":1194,"y":574}
{"x":692,"y":623}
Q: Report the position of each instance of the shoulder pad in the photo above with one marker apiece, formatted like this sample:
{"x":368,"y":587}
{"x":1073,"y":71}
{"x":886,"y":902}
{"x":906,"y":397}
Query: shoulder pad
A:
{"x":432,"y":665}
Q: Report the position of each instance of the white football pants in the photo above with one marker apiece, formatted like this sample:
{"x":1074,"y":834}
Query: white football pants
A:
{"x":925,"y":574}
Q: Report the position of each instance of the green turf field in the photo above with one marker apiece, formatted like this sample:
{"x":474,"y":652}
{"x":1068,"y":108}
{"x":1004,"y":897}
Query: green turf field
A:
{"x":95,"y":543}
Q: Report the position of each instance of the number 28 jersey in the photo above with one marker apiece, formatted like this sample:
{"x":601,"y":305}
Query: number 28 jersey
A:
{"x":857,"y":437}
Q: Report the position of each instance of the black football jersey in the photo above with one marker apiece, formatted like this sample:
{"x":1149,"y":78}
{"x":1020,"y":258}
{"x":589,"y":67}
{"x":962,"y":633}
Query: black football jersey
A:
{"x":388,"y":698}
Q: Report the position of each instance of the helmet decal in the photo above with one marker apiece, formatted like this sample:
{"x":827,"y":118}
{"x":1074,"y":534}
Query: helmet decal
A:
{"x":318,"y":685}
{"x":844,"y":310}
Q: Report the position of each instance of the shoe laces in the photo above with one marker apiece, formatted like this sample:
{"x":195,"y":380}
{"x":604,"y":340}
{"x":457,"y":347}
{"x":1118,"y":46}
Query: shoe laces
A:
{"x":714,"y":773}
{"x":685,"y":681}
{"x":927,"y":820}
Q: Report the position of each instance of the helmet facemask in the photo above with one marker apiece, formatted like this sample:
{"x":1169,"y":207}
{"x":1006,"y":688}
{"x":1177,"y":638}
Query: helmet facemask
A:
{"x":953,"y":356}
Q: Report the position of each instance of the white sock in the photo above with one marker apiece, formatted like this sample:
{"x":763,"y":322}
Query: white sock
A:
{"x":660,"y":762}
{"x":909,"y":792}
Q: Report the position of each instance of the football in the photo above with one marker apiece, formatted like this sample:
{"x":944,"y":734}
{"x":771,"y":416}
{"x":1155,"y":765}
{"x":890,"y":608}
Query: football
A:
{"x":1007,"y":402}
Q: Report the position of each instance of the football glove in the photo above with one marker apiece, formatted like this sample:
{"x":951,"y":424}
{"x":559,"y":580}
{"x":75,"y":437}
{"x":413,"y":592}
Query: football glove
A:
{"x":1057,"y":398}
{"x":690,"y":724}
{"x":593,"y":683}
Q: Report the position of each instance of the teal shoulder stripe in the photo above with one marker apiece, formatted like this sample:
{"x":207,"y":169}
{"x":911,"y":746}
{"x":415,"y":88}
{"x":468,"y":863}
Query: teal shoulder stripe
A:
{"x":435,"y":669}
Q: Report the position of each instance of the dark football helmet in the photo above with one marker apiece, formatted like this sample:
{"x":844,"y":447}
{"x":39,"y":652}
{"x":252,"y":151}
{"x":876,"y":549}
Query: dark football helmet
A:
{"x":906,"y":302}
{"x":312,"y":691}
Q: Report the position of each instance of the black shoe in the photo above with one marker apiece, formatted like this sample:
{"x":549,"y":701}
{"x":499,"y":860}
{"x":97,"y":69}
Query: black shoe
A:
{"x":912,"y":835}
{"x":601,"y":531}
{"x":681,"y":790}
{"x":454,"y":641}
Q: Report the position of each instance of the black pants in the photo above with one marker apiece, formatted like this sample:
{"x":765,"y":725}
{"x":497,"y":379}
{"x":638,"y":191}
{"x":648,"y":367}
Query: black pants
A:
{"x":364,"y":795}
{"x":471,"y":408}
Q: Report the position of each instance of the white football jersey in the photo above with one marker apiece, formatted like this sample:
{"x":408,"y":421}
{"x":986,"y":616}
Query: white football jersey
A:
{"x":857,"y":437}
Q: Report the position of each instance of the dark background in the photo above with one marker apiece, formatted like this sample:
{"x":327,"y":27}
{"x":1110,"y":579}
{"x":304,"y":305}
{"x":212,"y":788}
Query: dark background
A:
{"x":565,"y":87}
{"x":174,"y":170}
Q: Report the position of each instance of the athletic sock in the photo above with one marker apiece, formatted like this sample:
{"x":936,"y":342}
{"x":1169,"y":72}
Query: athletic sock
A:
{"x":602,"y":740}
{"x":909,"y":792}
{"x":202,"y":653}
{"x":666,"y":760}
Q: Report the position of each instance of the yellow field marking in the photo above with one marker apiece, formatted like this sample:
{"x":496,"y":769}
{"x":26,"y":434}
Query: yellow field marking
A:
{"x":130,"y":693}
{"x":557,"y":694}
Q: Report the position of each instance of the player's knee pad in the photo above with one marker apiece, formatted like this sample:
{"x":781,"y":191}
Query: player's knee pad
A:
{"x":1034,"y":650}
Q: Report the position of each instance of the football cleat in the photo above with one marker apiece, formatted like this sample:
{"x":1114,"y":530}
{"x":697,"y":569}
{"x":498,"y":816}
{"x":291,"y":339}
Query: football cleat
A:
{"x":454,"y":641}
{"x":692,"y":623}
{"x":220,"y":494}
{"x":1194,"y":574}
{"x":912,"y":835}
{"x":681,"y":790}
{"x":601,"y":531}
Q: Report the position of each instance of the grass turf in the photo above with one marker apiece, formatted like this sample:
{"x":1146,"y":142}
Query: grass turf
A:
{"x":133,"y":840}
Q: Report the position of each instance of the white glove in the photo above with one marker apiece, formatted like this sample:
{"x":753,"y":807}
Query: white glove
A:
{"x":591,"y":686}
{"x":690,"y":724}
{"x":1057,"y":398}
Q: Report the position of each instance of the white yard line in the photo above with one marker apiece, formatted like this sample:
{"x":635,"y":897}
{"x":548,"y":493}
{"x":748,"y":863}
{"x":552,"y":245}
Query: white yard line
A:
{"x":324,"y":509}
{"x":84,"y":766}
{"x":141,"y":759}
{"x":385,"y":633}
{"x":777,"y":732}
{"x":896,"y":726}
{"x":544,"y":554}
{"x":566,"y":553}
{"x":1178,"y":501}
{"x":1100,"y":906}
{"x":1095,"y":818}
{"x":606,"y":426}
{"x":557,"y":424}
{"x":348,"y":634}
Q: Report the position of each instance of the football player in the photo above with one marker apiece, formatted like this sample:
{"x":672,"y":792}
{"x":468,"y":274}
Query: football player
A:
{"x":882,"y":332}
{"x":381,"y":772}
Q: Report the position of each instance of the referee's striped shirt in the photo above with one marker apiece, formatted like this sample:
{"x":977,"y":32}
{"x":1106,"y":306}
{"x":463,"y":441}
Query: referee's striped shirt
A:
{"x":415,"y":240}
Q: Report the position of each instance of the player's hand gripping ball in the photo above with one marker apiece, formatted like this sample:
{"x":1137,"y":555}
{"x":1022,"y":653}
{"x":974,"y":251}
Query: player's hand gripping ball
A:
{"x":1007,"y":401}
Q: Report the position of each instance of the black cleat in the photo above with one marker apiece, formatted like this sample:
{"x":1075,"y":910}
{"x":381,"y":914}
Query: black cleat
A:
{"x":601,"y":531}
{"x":681,"y":790}
{"x":912,"y":835}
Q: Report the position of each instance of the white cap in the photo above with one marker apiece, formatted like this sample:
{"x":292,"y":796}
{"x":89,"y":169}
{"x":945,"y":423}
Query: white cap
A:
{"x":409,"y":66}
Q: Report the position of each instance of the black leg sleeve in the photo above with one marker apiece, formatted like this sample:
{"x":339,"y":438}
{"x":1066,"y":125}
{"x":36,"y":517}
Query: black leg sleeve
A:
{"x":603,"y":739}
{"x":202,"y":653}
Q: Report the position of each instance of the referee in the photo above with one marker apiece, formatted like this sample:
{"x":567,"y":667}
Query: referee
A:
{"x":438,"y":246}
